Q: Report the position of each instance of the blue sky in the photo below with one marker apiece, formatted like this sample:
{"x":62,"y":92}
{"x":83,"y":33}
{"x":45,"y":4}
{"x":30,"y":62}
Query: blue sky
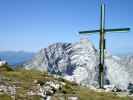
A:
{"x":33,"y":24}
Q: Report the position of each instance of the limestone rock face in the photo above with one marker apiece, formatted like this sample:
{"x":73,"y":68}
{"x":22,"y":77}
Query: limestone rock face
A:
{"x":79,"y":62}
{"x":116,"y":73}
{"x":85,"y":57}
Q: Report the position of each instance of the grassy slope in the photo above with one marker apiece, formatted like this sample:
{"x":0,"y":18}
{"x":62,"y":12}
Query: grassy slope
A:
{"x":24,"y":79}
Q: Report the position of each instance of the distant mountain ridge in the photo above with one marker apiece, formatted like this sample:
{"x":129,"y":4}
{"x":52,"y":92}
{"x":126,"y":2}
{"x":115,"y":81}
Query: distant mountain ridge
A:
{"x":15,"y":57}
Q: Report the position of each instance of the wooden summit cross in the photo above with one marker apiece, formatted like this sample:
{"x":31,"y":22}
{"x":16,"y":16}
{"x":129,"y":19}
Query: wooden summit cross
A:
{"x":102,"y":41}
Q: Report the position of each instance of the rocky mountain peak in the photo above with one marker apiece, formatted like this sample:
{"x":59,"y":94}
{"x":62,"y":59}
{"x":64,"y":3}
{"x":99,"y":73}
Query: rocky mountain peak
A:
{"x":79,"y":62}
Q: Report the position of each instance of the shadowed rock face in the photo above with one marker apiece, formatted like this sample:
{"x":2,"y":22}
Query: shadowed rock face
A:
{"x":53,"y":59}
{"x":79,"y":62}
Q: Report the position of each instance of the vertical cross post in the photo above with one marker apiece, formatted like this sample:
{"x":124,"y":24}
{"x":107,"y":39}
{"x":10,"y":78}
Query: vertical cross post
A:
{"x":102,"y":42}
{"x":102,"y":46}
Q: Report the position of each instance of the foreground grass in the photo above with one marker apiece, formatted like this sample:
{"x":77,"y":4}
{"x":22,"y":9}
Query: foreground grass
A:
{"x":86,"y":94}
{"x":25,"y":80}
{"x":5,"y":97}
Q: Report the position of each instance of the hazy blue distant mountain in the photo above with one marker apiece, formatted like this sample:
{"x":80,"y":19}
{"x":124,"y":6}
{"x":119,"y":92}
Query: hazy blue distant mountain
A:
{"x":15,"y":57}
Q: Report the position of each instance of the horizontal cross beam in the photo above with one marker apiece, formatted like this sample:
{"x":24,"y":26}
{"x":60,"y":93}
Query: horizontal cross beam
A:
{"x":106,"y":30}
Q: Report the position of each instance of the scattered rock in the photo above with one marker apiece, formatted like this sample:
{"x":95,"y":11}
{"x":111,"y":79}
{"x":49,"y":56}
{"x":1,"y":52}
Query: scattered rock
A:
{"x":73,"y":98}
{"x":47,"y":89}
{"x":8,"y":89}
